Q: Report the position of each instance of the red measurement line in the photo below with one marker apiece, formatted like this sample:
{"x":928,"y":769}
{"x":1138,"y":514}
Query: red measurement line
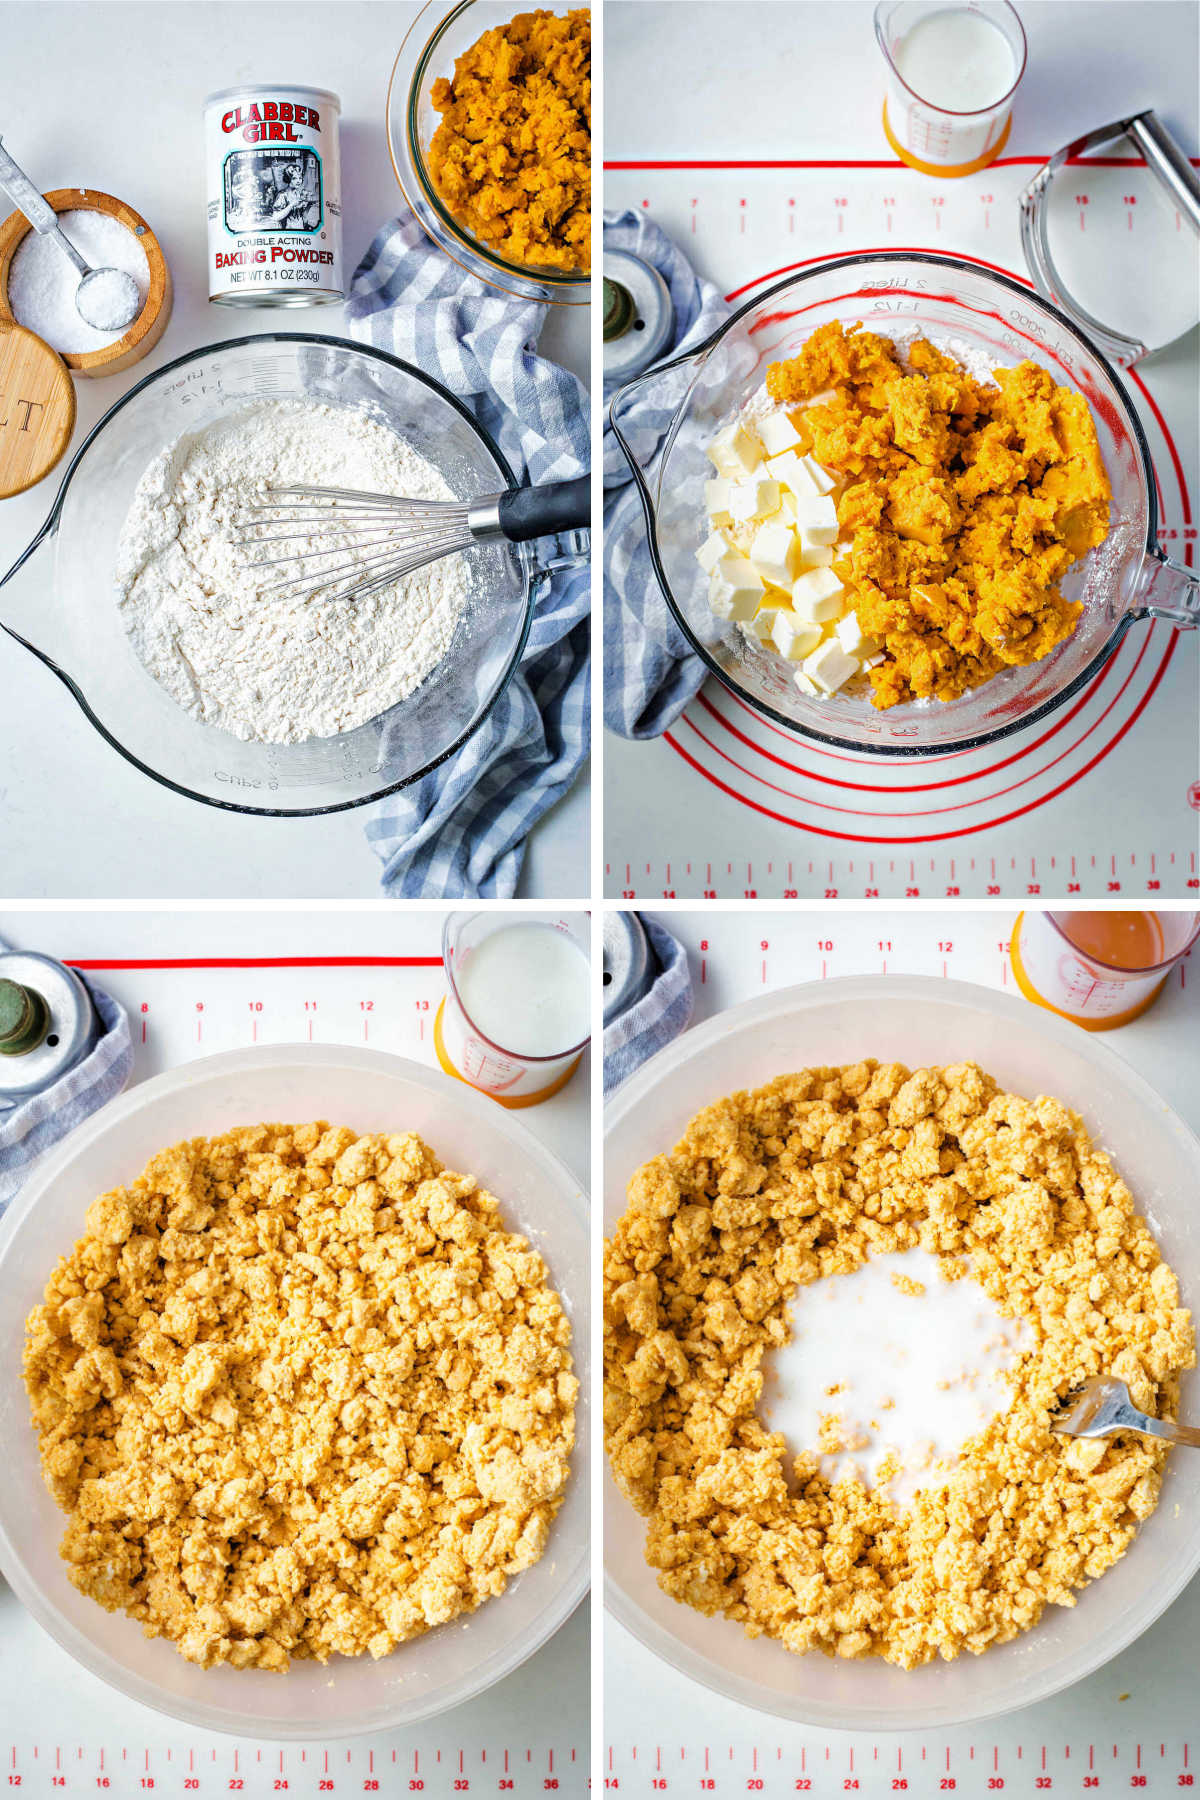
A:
{"x":870,"y":162}
{"x":256,"y":962}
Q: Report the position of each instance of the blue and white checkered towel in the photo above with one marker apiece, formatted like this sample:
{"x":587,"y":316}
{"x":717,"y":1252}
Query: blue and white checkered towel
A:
{"x":659,"y":1015}
{"x":34,"y":1125}
{"x":460,"y":832}
{"x":650,"y":671}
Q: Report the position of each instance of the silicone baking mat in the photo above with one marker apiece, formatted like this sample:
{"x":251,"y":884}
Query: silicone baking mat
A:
{"x":1101,"y":798}
{"x":194,"y":985}
{"x":1134,"y":1725}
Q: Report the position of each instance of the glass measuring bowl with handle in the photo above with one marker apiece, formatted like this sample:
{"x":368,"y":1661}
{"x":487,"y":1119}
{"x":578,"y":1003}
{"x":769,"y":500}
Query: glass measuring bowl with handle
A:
{"x":509,"y":976}
{"x":58,"y":598}
{"x":1127,"y":580}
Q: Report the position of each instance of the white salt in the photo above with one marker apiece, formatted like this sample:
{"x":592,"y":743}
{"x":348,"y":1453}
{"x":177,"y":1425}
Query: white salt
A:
{"x":42,"y":282}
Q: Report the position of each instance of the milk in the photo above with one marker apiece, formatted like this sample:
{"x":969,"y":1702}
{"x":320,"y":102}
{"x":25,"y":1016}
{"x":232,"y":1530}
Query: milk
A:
{"x":917,"y":1373}
{"x":526,"y":988}
{"x":957,"y":60}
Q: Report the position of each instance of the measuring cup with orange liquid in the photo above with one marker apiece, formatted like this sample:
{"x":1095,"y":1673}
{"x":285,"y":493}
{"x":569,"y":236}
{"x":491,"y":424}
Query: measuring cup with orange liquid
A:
{"x":1101,"y":969}
{"x":517,"y":1011}
{"x":952,"y":74}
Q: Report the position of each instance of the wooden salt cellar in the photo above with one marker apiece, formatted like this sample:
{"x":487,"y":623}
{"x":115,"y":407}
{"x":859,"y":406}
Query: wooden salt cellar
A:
{"x":150,"y":323}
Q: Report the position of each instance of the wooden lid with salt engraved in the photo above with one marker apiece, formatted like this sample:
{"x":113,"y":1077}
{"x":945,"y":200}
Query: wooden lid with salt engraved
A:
{"x":37,"y":409}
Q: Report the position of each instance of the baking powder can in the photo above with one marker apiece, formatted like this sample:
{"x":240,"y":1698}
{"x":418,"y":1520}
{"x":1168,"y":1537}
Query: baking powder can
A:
{"x":274,"y":177}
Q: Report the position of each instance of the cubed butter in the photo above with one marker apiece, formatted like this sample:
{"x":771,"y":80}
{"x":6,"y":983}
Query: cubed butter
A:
{"x":851,"y":637}
{"x":734,"y":588}
{"x":829,"y":666}
{"x":711,"y":551}
{"x":760,"y":626}
{"x":775,"y":553}
{"x":789,"y":469}
{"x":817,"y":556}
{"x":817,"y":521}
{"x":777,"y":433}
{"x":800,"y":427}
{"x":823,"y":482}
{"x":792,"y":637}
{"x":817,"y":596}
{"x":717,"y":495}
{"x":807,"y":685}
{"x":735,"y":450}
{"x":756,"y":498}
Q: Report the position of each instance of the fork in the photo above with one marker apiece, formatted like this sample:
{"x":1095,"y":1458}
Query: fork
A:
{"x":1103,"y":1406}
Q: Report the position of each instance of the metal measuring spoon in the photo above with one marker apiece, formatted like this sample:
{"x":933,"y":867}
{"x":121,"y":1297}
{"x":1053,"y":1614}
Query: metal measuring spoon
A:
{"x":106,"y":299}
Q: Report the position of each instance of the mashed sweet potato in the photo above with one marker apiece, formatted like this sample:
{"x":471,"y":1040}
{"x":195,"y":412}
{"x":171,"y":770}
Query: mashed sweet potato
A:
{"x":962,"y":506}
{"x":512,"y":155}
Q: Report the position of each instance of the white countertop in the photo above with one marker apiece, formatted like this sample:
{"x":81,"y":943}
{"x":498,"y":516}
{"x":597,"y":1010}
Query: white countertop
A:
{"x":659,"y":1723}
{"x":111,"y":97}
{"x":47,"y":1702}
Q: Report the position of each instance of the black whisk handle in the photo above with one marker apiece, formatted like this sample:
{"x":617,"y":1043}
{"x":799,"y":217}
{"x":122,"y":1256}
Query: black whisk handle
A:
{"x":533,"y":512}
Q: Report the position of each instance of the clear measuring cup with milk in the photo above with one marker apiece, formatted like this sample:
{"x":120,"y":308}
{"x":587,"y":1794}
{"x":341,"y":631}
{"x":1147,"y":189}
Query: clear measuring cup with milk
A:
{"x":517,"y":1011}
{"x":952,"y":73}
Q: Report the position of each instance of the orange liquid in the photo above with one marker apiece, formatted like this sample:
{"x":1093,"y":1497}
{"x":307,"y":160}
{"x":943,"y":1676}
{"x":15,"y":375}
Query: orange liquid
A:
{"x":1122,"y":940}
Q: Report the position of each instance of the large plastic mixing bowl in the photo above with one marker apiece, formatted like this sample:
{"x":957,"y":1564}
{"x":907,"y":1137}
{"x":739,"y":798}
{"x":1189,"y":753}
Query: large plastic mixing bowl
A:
{"x":1127,"y":579}
{"x":59,"y":599}
{"x":919,"y":1021}
{"x":371,"y":1092}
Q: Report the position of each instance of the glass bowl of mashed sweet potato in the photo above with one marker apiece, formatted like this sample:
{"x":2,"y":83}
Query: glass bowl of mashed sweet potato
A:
{"x":489,"y":127}
{"x":1117,"y":577}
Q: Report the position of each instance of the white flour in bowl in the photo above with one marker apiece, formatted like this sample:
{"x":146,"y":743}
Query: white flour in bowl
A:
{"x":269,"y":667}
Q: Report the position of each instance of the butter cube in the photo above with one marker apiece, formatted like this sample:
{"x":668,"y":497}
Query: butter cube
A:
{"x":816,"y":521}
{"x":799,"y":425}
{"x":757,"y":498}
{"x":775,"y":554}
{"x":735,"y":450}
{"x":787,"y":506}
{"x":829,"y":666}
{"x":717,"y":495}
{"x":851,"y":637}
{"x":806,"y":685}
{"x":817,"y":596}
{"x":792,"y":637}
{"x":711,"y":551}
{"x":760,"y":626}
{"x":821,"y":479}
{"x":777,"y":433}
{"x":817,"y":556}
{"x":790,"y":470}
{"x":734,"y":588}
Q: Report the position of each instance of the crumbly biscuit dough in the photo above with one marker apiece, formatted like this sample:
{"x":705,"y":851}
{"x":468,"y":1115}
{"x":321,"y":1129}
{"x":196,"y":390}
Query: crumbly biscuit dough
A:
{"x":964,"y":504}
{"x":300,"y":1394}
{"x":809,"y":1176}
{"x":512,"y":156}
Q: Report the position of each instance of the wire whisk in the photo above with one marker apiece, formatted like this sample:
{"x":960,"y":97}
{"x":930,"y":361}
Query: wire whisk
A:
{"x":381,"y":538}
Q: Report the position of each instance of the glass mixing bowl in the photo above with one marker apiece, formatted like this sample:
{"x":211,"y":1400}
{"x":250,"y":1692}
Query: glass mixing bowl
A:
{"x":369,"y":1091}
{"x":918,"y":1021}
{"x":443,"y":31}
{"x":1127,"y":579}
{"x":57,"y":598}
